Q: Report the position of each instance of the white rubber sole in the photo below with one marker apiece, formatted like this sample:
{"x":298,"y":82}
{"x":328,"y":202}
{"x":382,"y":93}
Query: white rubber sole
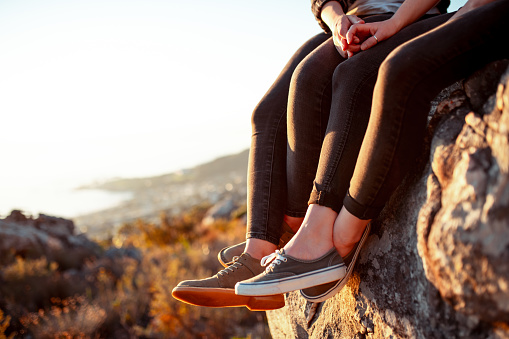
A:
{"x":298,"y":282}
{"x":331,"y":292}
{"x":342,"y":282}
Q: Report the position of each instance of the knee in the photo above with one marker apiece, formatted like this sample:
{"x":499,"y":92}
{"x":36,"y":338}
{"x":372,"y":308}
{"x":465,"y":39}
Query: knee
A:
{"x":340,"y":73}
{"x":306,"y":75}
{"x":268,"y":112}
{"x":259,"y":117}
{"x":398,"y":66}
{"x":345,"y":69}
{"x":396,"y":85}
{"x":352,"y":72}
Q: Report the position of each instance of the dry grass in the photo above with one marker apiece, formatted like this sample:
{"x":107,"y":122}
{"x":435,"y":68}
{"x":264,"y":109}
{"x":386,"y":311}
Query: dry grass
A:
{"x":127,"y":294}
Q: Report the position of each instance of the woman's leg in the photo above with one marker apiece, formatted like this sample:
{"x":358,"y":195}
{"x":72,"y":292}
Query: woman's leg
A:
{"x":309,"y":104}
{"x":311,"y":257}
{"x":308,"y":122}
{"x":308,"y":112}
{"x":409,"y":79}
{"x":266,"y":201}
{"x":353,"y":84}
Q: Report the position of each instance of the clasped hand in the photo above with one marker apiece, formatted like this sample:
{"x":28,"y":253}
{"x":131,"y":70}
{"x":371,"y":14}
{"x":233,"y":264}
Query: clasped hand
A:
{"x":352,"y":34}
{"x":340,"y":34}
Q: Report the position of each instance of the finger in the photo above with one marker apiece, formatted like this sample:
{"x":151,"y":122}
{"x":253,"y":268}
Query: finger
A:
{"x":370,"y":42}
{"x":343,"y":44}
{"x":351,"y":33}
{"x":349,"y":54}
{"x":354,"y":19}
{"x":358,"y":30}
{"x":354,"y":31}
{"x":344,"y":29}
{"x":354,"y":48}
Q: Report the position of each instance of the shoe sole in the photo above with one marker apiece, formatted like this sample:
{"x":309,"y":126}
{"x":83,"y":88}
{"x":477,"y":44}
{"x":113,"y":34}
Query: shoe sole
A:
{"x":301,"y":281}
{"x":342,"y":282}
{"x":226,"y":297}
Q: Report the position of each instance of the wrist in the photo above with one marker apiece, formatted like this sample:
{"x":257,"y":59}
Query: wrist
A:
{"x":331,"y":13}
{"x":397,"y":23}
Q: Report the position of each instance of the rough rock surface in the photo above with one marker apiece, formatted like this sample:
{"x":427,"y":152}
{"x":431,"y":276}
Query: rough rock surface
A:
{"x":221,"y":210}
{"x":47,"y":236}
{"x":436,"y":264}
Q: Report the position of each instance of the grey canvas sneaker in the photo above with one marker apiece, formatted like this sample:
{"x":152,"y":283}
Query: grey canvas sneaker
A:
{"x":218,"y":290}
{"x":228,"y":254}
{"x":286,"y":273}
{"x":323,"y":292}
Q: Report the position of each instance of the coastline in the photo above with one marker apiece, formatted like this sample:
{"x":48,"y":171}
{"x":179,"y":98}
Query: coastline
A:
{"x":67,"y":202}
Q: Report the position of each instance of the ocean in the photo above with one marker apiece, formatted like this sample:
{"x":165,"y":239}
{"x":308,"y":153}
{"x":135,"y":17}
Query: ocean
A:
{"x":59,"y":201}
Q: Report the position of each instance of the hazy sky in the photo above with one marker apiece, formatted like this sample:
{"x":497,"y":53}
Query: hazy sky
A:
{"x":102,"y":88}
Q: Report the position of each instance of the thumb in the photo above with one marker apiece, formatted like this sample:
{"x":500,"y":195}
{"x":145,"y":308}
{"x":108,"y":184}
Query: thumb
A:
{"x":354,"y":19}
{"x":356,"y":30}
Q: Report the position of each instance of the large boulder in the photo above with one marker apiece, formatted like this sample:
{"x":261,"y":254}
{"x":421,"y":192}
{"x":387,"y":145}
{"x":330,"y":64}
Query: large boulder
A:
{"x":46,"y":236}
{"x":436,"y":264}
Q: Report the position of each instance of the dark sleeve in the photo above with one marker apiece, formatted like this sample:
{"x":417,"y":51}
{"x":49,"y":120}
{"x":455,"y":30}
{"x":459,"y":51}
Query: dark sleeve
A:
{"x":443,"y":5}
{"x":316,"y":8}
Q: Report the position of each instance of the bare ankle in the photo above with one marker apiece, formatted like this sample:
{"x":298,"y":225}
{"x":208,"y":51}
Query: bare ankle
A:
{"x":258,"y":248}
{"x":348,"y":230}
{"x":293,"y":222}
{"x":314,"y":237}
{"x":345,"y":248}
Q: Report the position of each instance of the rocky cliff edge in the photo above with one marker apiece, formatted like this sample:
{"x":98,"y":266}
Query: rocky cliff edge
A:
{"x":436,"y":264}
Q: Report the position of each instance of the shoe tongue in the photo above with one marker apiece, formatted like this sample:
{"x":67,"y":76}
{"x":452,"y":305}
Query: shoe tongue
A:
{"x":244,"y":257}
{"x":251,"y":263}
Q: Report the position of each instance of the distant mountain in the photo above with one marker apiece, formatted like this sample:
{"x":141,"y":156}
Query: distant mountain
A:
{"x":173,"y":193}
{"x":223,"y":167}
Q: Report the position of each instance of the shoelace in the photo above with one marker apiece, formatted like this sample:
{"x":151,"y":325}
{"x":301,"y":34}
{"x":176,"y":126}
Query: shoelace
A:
{"x":274,"y":259}
{"x":234,"y":259}
{"x":236,"y":264}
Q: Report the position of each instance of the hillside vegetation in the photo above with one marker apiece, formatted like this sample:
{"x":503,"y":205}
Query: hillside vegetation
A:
{"x":120,"y":287}
{"x":172,"y":193}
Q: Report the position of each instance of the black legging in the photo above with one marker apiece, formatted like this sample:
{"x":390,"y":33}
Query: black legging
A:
{"x":329,"y":103}
{"x":266,"y":179}
{"x":408,"y":80}
{"x":277,"y":186}
{"x":353,"y":82}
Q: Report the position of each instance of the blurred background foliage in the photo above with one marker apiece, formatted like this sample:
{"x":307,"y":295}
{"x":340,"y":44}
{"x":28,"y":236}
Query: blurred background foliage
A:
{"x":125,"y":292}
